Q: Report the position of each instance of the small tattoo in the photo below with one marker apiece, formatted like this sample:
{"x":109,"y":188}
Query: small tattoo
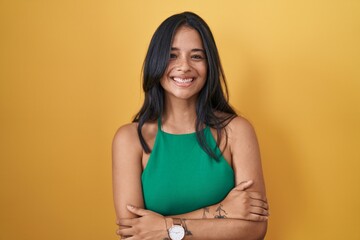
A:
{"x":205,"y":210}
{"x":187,"y":231}
{"x":221,"y":213}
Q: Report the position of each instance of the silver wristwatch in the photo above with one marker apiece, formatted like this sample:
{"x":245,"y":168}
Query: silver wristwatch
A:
{"x":176,"y":231}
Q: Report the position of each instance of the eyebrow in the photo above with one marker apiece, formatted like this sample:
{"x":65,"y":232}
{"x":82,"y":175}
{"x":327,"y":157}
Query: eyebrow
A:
{"x":192,"y":50}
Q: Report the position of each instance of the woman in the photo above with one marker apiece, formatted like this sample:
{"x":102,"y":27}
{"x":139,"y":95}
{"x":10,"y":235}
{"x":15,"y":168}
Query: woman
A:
{"x":187,"y":167}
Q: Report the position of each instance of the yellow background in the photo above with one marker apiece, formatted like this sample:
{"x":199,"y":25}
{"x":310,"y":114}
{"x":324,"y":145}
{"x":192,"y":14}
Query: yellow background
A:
{"x":70,"y":75}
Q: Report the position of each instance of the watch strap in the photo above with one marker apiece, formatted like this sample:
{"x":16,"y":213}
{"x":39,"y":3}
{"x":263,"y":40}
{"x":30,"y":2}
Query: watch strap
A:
{"x":177,"y":221}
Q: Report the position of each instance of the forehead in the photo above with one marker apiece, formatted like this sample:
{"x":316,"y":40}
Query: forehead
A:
{"x":187,"y":38}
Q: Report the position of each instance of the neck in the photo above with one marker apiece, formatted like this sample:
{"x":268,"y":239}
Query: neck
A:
{"x":179,"y":116}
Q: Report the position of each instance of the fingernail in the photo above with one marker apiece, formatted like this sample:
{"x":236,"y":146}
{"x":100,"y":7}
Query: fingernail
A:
{"x":130,"y":206}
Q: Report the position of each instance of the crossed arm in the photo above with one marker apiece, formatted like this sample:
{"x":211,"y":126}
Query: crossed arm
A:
{"x":243,"y":222}
{"x":245,"y":207}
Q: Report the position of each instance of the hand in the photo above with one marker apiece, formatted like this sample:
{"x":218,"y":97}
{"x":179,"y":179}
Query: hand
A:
{"x":241,"y":204}
{"x":149,"y":225}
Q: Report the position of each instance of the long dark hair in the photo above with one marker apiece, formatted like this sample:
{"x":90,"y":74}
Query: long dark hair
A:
{"x":212,"y":107}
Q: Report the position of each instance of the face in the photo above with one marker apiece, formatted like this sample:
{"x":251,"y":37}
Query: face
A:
{"x":186,"y":72}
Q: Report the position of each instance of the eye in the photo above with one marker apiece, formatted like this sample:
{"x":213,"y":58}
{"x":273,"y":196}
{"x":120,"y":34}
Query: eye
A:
{"x":173,"y":56}
{"x":197,"y":57}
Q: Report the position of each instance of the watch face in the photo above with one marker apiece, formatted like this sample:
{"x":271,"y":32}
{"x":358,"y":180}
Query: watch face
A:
{"x":176,"y":232}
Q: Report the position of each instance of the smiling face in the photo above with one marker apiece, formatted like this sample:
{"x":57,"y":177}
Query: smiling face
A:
{"x":186,"y":72}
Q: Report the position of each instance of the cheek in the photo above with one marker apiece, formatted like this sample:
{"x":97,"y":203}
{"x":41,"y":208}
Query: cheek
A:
{"x":204,"y":72}
{"x":204,"y":69}
{"x":162,"y":82}
{"x":165,"y":76}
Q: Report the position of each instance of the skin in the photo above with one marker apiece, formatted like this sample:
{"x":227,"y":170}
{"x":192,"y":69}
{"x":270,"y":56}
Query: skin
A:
{"x":245,"y":207}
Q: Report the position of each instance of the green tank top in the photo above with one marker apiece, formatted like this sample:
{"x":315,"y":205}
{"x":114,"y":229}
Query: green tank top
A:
{"x":181,"y":177}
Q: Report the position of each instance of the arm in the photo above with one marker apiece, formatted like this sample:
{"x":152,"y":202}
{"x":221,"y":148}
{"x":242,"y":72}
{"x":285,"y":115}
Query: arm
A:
{"x":247,"y":165}
{"x":245,"y":154}
{"x":126,"y":167}
{"x":151,"y":225}
{"x":253,"y":206}
{"x":246,"y":161}
{"x":224,"y":229}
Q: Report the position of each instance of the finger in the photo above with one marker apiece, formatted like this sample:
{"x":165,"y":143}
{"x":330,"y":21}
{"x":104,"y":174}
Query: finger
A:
{"x":258,"y":196}
{"x":259,"y":203}
{"x":126,"y":232}
{"x":244,"y":185}
{"x":127,"y":222}
{"x":126,"y":237}
{"x":259,"y":211}
{"x":138,"y":211}
{"x":257,"y":218}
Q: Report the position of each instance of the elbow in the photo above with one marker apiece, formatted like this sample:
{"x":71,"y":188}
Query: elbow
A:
{"x":252,"y":231}
{"x":261,"y":230}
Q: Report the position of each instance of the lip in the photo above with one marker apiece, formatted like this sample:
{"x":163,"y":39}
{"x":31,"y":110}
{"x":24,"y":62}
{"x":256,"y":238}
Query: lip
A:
{"x":183,"y":81}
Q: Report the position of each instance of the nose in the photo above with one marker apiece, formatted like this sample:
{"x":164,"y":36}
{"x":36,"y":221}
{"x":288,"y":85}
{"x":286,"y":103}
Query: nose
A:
{"x":183,"y":65}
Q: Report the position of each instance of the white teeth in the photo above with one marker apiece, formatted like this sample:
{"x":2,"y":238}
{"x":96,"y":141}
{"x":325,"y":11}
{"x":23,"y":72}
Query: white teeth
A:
{"x":183,"y":80}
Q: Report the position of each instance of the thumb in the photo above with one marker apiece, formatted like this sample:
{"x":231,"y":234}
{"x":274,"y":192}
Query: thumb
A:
{"x":244,"y":185}
{"x":138,"y":211}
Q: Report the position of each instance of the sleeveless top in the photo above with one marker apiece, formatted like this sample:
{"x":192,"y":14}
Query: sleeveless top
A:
{"x":181,"y":177}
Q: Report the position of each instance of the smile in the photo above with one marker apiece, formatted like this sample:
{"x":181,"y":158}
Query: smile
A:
{"x":182,"y":80}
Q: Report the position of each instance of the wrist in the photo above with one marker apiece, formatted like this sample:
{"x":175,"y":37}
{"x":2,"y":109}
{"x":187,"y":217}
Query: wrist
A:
{"x":168,"y":222}
{"x":175,"y":228}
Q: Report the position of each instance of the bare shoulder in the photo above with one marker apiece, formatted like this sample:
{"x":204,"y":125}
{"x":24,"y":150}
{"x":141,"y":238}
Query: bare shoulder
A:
{"x":126,"y":132}
{"x":126,"y":142}
{"x":127,"y":136}
{"x":241,"y":134}
{"x":240,"y":125}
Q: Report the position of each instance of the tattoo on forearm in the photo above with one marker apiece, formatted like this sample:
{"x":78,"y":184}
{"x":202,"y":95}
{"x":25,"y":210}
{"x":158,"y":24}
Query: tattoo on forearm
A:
{"x":205,"y":210}
{"x":220,"y":212}
{"x":187,"y":231}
